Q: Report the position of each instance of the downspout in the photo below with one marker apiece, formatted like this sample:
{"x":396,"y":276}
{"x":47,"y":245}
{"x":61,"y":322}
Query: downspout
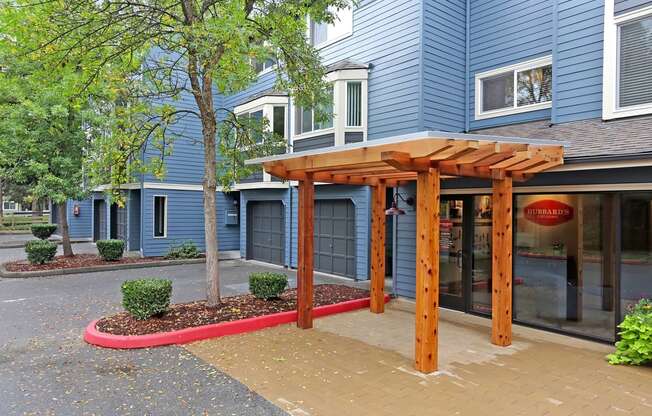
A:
{"x":467,"y":59}
{"x":421,"y":108}
{"x":555,"y":28}
{"x":394,"y":249}
{"x":287,"y":150}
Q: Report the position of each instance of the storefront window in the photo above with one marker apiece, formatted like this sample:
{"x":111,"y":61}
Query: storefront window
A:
{"x":636,"y":250}
{"x":561,"y":278}
{"x":481,"y":267}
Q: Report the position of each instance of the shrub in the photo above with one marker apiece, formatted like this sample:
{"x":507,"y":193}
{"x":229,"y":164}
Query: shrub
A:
{"x":110,"y":250}
{"x":40,"y":251}
{"x":185,"y":250}
{"x":635,"y":345}
{"x":144,"y":298}
{"x":43,"y":231}
{"x":267,"y":285}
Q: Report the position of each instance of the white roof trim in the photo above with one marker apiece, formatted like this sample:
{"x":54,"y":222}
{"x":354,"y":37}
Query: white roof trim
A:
{"x":424,"y":135}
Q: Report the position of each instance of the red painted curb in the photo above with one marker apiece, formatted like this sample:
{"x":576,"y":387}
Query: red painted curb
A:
{"x":183,"y":336}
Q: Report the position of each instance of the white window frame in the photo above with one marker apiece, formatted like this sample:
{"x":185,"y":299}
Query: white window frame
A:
{"x":339,"y":79}
{"x":165,"y":217}
{"x":611,"y":62}
{"x":347,"y":33}
{"x":267,"y":104}
{"x":515,"y":69}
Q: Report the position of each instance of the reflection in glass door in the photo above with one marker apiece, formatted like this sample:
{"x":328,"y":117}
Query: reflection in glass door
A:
{"x":481,"y":267}
{"x":451,"y":249}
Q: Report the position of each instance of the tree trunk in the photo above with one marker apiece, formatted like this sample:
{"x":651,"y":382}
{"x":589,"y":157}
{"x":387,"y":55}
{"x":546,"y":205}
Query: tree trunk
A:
{"x":35,"y":208}
{"x":210,"y":216}
{"x":2,"y":202}
{"x":64,"y":230}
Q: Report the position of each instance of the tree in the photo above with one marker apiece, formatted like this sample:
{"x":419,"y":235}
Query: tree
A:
{"x":47,"y":120}
{"x":201,"y":48}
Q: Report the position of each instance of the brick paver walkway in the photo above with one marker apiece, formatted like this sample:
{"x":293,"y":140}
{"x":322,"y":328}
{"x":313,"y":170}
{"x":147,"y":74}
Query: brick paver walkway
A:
{"x":360,"y":364}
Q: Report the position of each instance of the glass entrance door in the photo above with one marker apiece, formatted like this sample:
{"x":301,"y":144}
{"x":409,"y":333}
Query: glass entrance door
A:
{"x":452,"y":253}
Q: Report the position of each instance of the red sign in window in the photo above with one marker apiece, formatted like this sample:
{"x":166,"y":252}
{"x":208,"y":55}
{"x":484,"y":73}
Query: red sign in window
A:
{"x":548,"y":212}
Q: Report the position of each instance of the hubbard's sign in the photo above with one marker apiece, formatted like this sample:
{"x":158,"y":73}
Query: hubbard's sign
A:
{"x":548,"y":212}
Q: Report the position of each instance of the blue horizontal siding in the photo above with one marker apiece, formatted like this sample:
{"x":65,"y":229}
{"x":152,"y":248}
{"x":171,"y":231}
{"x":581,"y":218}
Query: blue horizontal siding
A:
{"x":185,"y":221}
{"x":578,"y":67}
{"x":406,"y":231}
{"x":502,"y":33}
{"x":80,"y":226}
{"x":444,"y":64}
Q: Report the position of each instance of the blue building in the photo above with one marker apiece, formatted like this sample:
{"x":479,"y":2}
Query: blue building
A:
{"x":574,"y":70}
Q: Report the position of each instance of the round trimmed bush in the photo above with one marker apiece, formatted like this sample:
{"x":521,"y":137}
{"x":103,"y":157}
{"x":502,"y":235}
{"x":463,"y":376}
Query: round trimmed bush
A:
{"x":144,"y":298}
{"x":110,"y":250}
{"x":40,"y":251}
{"x":43,"y":231}
{"x":267,"y":285}
{"x":185,"y":250}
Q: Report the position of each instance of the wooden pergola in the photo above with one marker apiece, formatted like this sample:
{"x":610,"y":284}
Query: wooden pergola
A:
{"x":426,"y":157}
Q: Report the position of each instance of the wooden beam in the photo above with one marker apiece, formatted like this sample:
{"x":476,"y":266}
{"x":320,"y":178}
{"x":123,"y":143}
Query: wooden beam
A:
{"x":404,"y":162}
{"x":427,"y":271}
{"x":501,"y":262}
{"x":378,"y":247}
{"x":305,"y":252}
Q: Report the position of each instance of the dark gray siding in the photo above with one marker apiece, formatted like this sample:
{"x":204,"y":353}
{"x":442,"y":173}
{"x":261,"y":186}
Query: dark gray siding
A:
{"x":316,"y":142}
{"x":353,"y":136}
{"x":624,"y":6}
{"x":254,"y":177}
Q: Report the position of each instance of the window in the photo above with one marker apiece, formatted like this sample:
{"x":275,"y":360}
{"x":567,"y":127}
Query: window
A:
{"x":523,"y":87}
{"x":278,"y":121}
{"x":635,"y":59}
{"x":354,"y":104}
{"x":160,"y":216}
{"x":305,"y":118}
{"x":321,"y":34}
{"x":264,"y":65}
{"x":627,"y":62}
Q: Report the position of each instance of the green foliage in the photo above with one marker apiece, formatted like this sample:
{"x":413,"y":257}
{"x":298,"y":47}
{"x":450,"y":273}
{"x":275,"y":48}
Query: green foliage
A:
{"x":267,"y":285}
{"x":43,"y":231}
{"x":144,"y":298}
{"x":111,"y":250}
{"x":40,"y":251}
{"x":185,"y":250}
{"x":635,"y":345}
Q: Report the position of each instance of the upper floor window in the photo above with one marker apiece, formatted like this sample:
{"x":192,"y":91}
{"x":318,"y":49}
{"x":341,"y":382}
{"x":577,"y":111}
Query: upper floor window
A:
{"x":354,"y":103}
{"x":306,"y":122}
{"x":263,"y":66}
{"x":515,"y":89}
{"x":627,"y":89}
{"x":635,"y":57}
{"x":321,"y":34}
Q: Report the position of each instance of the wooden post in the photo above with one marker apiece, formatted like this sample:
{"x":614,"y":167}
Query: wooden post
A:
{"x":378,"y":247}
{"x":427,"y":258}
{"x":305,"y":252}
{"x":501,"y":263}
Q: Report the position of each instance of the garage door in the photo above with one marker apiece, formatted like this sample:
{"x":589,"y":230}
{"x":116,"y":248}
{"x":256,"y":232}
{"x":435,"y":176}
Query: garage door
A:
{"x":335,"y":237}
{"x":266,"y":232}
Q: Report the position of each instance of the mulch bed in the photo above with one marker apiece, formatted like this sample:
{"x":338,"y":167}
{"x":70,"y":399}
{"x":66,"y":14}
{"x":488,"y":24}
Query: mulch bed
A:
{"x":76,"y":261}
{"x":233,"y":308}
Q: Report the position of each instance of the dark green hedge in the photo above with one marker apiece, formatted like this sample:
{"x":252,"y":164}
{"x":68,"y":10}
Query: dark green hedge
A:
{"x":267,"y":285}
{"x":144,"y":298}
{"x":110,"y":250}
{"x":43,"y":231}
{"x":40,"y":251}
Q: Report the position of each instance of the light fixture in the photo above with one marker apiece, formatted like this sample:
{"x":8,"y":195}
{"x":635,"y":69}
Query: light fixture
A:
{"x":395,"y":210}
